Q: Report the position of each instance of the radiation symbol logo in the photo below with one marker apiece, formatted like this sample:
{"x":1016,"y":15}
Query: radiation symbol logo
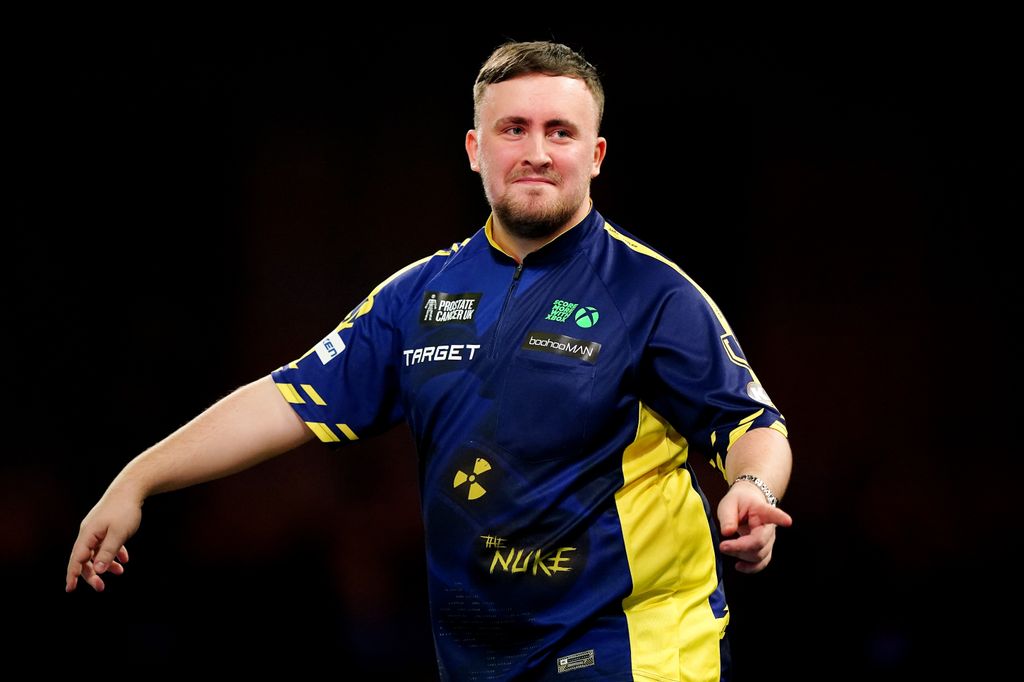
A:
{"x":475,"y":490}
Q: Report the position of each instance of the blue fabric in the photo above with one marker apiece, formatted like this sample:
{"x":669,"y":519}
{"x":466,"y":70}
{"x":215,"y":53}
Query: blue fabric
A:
{"x":521,"y":386}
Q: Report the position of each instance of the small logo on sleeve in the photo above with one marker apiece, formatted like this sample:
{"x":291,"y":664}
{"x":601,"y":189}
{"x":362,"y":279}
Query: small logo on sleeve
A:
{"x":443,"y":308}
{"x":562,"y":345}
{"x":330,"y":347}
{"x":580,"y":659}
{"x":756,"y":392}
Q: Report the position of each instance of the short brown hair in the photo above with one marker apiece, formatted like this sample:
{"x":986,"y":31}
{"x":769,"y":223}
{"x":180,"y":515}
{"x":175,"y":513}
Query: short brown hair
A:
{"x":514,"y":59}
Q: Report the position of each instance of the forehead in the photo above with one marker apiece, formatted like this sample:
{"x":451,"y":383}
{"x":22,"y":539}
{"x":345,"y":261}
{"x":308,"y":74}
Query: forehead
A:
{"x":540,"y":97}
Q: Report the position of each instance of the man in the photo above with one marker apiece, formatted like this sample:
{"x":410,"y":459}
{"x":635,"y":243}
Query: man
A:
{"x":555,"y":372}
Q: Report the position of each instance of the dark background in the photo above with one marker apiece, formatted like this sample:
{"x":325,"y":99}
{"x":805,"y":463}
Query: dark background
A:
{"x":191,"y":211}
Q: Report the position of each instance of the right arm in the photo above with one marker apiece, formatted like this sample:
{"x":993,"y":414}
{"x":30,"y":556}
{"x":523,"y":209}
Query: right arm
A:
{"x":252,"y":424}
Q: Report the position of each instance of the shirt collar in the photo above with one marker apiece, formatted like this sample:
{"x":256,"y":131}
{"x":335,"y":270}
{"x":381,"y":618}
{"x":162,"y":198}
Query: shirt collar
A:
{"x":559,"y":247}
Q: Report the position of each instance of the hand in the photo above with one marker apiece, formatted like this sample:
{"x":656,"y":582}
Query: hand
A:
{"x":101,"y":536}
{"x":743,"y":509}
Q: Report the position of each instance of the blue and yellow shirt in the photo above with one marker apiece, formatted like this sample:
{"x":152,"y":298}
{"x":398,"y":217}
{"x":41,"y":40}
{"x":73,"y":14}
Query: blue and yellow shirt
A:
{"x":554,"y":406}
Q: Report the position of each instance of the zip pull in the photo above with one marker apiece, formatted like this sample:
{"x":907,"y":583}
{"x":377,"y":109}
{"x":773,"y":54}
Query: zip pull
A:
{"x":504,"y":306}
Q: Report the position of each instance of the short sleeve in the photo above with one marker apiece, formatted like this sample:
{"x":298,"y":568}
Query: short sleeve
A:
{"x":693,"y":372}
{"x":346,"y":387}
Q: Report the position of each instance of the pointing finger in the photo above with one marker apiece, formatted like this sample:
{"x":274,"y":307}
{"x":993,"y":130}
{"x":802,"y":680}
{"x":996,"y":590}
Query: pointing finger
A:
{"x":776,"y":516}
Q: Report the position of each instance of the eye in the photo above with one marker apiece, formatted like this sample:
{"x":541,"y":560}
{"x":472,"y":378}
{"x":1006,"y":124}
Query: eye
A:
{"x":563,"y":134}
{"x":513,"y":129}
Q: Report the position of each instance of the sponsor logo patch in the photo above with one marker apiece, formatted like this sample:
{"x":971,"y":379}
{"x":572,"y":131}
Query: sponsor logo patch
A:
{"x":587,"y":317}
{"x":580,"y":659}
{"x":560,"y":310}
{"x":442,"y":308}
{"x":330,"y":347}
{"x":562,"y":345}
{"x":474,"y":490}
{"x":756,"y":392}
{"x":452,"y":352}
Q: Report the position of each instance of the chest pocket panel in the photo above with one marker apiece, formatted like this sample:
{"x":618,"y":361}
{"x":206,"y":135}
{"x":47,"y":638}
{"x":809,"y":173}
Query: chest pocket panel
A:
{"x":545,"y":407}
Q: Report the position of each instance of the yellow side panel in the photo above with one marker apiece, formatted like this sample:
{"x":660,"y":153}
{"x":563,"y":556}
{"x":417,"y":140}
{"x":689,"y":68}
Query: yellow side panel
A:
{"x":673,"y":633}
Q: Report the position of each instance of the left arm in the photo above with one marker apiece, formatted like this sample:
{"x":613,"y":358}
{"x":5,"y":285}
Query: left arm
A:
{"x":765,"y":453}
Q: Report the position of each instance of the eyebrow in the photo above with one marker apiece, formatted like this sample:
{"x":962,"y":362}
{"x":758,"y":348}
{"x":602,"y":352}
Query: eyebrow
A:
{"x":550,"y":123}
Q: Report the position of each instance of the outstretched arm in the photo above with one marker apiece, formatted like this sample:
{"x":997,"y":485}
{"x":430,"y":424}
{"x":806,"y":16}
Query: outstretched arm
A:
{"x":252,"y":424}
{"x":765,"y":453}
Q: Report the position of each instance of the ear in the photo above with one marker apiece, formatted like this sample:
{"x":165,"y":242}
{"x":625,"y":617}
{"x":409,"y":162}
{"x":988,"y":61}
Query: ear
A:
{"x":472,"y":146}
{"x":600,"y":148}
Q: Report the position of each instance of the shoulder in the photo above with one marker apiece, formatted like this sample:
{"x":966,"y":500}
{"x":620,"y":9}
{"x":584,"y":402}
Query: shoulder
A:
{"x":633,"y":257}
{"x":422,"y":270}
{"x":404,"y":284}
{"x":623,"y":257}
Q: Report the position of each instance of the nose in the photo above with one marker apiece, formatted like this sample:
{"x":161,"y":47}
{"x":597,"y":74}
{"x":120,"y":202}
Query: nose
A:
{"x":536,"y":152}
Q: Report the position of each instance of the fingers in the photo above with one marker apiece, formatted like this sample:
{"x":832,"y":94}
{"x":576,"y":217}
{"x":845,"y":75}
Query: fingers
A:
{"x":764,"y":514}
{"x":92,"y":578}
{"x":776,"y":516}
{"x":728,"y":515}
{"x":748,"y":546}
{"x":84,"y":563}
{"x":747,"y":504}
{"x":103,"y":566}
{"x":753,"y":567}
{"x":106,"y":555}
{"x":752,"y":550}
{"x":755,"y":521}
{"x":81,"y":553}
{"x":101,"y":536}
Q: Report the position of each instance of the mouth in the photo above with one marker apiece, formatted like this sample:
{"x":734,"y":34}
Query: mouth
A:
{"x":535,"y":181}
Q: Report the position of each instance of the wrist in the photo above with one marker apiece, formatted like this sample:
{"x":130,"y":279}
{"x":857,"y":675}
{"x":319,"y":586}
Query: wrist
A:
{"x":129,"y":484}
{"x":769,"y":496}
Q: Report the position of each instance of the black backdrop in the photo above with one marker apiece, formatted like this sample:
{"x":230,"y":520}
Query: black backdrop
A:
{"x":191,"y":211}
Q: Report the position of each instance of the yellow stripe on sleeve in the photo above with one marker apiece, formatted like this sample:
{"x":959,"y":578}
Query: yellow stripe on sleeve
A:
{"x":323,"y":432}
{"x":742,"y":428}
{"x":290,"y":394}
{"x":780,"y":427}
{"x":311,"y":392}
{"x":349,"y":433}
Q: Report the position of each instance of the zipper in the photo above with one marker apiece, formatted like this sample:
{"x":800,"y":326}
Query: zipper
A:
{"x":504,"y":305}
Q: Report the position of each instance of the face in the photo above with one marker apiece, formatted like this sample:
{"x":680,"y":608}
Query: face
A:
{"x":536,"y":151}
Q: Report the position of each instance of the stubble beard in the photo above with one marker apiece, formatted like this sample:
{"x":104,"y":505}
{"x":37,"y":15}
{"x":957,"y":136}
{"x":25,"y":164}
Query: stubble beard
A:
{"x":533,"y":218}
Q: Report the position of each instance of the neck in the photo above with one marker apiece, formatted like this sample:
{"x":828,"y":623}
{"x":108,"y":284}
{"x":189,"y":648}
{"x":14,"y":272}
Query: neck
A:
{"x":519,"y":247}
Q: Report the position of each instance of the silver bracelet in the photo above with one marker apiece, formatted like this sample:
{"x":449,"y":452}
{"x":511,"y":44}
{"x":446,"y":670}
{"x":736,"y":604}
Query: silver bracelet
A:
{"x":768,"y":494}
